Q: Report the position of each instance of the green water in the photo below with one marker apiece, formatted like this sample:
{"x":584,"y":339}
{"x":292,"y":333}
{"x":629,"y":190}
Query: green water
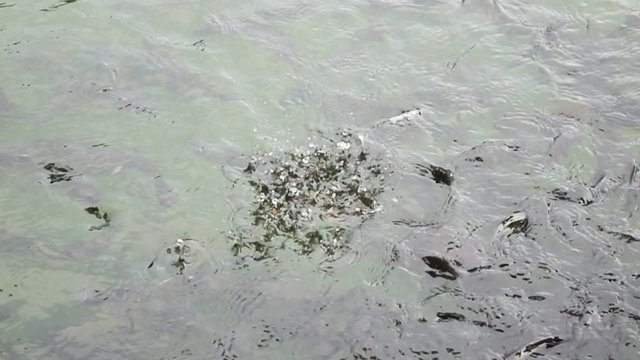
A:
{"x":152,"y":102}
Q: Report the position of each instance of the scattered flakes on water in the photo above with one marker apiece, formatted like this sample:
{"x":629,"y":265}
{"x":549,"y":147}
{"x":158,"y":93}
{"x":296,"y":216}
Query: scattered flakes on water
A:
{"x":309,"y":199}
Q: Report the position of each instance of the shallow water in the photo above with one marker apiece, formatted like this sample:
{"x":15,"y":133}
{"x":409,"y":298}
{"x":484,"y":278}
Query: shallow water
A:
{"x":152,"y":108}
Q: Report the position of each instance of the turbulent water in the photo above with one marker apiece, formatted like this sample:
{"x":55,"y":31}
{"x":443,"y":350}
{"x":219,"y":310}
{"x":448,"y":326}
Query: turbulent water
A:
{"x":507,"y":225}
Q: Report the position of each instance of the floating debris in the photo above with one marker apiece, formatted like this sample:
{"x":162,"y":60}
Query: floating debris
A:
{"x":628,"y":238}
{"x":309,"y":199}
{"x":182,"y":250}
{"x":582,"y":196}
{"x":58,"y":5}
{"x":449,"y":316}
{"x":440,"y":268}
{"x":95,"y":211}
{"x":58,"y":172}
{"x":516,"y":223}
{"x":548,"y":343}
{"x":438,"y":174}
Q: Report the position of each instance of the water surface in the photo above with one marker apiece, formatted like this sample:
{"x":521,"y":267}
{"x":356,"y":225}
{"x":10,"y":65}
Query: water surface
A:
{"x":146,"y":110}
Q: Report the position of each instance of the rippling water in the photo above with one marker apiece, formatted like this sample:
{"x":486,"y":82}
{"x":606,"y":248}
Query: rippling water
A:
{"x":143,"y":110}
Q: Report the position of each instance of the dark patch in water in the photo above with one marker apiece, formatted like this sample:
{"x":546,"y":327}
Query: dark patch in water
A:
{"x":449,"y":316}
{"x":104,"y":216}
{"x":137,"y":108}
{"x":548,"y":343}
{"x":59,"y":5}
{"x":573,"y":196}
{"x":633,"y":174}
{"x":416,"y":224}
{"x":620,"y":235}
{"x":441,"y":268}
{"x":411,"y":110}
{"x":517,"y":223}
{"x":479,"y":268}
{"x":13,"y":47}
{"x":200,"y":45}
{"x":438,"y":174}
{"x":250,"y":169}
{"x":58,"y":172}
{"x":181,"y":250}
